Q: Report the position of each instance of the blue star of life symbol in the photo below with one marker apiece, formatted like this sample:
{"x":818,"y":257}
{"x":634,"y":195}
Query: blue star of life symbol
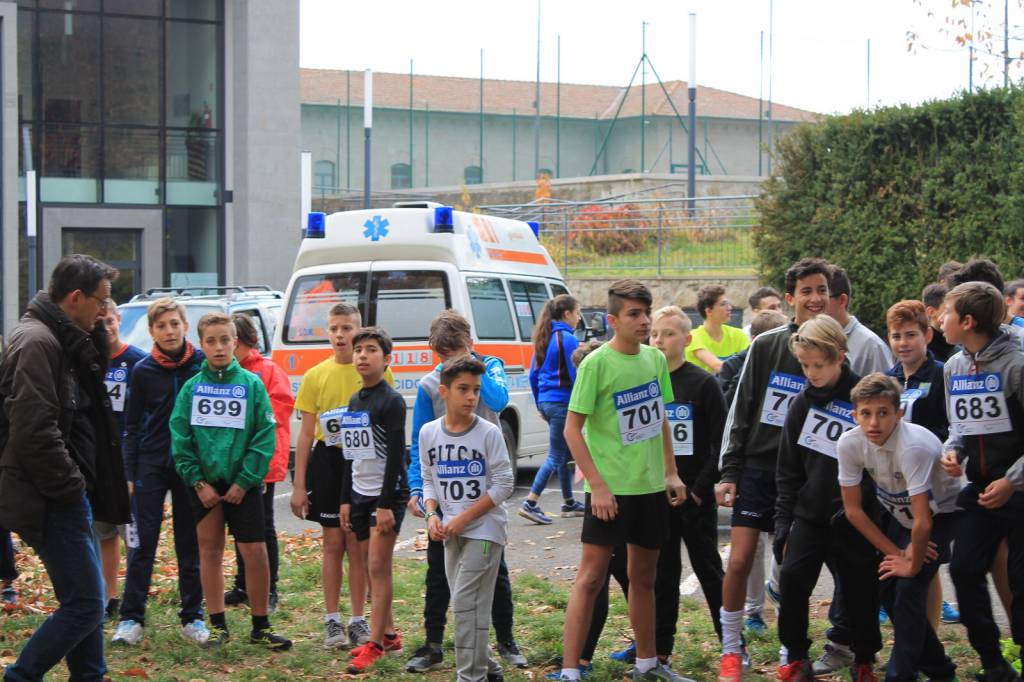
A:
{"x":474,"y":243}
{"x":376,"y":228}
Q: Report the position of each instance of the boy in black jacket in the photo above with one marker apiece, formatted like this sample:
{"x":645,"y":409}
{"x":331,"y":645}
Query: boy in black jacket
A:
{"x":809,"y":527}
{"x":152,"y":390}
{"x":696,"y":420}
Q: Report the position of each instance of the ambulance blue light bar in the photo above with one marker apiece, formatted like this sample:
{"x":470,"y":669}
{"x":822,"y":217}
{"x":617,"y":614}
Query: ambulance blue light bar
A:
{"x":535,"y":226}
{"x":443,"y":220}
{"x":316,"y":225}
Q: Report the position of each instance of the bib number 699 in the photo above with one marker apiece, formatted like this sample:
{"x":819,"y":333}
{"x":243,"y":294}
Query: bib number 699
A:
{"x":219,"y":407}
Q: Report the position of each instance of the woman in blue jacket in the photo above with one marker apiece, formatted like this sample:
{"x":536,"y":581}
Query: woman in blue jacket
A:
{"x":551,"y":377}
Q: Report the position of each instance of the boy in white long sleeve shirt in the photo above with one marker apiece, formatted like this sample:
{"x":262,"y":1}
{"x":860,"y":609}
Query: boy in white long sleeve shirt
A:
{"x":467,"y":474}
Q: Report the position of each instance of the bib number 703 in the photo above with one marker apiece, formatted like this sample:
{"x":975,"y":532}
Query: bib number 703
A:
{"x":456,"y":490}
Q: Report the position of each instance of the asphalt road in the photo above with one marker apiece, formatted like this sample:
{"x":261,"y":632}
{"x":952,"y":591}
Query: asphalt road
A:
{"x":553,"y":551}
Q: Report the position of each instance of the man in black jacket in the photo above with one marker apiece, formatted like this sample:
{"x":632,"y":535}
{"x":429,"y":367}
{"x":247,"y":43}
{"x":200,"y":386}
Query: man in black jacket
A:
{"x":61,"y":462}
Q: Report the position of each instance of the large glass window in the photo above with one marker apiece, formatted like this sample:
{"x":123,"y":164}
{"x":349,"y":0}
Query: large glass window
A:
{"x":118,"y":248}
{"x":529,"y":299}
{"x":191,"y":247}
{"x":491,"y":315}
{"x":131,"y":70}
{"x":406,"y":302}
{"x":312,"y":299}
{"x":69,"y":163}
{"x":323,"y":175}
{"x":401,"y":176}
{"x":132,"y":166}
{"x":69,"y":65}
{"x":193,"y":99}
{"x":26,"y":65}
{"x":473,"y":175}
{"x":192,"y":164}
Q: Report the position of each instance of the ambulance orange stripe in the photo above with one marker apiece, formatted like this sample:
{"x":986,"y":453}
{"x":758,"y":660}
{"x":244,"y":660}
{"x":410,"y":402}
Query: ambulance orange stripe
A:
{"x":517,"y":256}
{"x":297,"y":361}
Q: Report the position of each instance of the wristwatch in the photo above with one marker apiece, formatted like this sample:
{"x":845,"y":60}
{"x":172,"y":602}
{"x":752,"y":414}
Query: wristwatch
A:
{"x":199,"y":485}
{"x":426,"y":517}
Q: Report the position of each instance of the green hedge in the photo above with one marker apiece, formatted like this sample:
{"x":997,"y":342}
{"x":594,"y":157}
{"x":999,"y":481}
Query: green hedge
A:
{"x":892,"y":194}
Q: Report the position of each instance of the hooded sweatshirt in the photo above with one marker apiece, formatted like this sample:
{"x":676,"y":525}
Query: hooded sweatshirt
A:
{"x":222,"y":428}
{"x":552,"y":377}
{"x":281,"y":399}
{"x":985,"y":406}
{"x":807,"y":476}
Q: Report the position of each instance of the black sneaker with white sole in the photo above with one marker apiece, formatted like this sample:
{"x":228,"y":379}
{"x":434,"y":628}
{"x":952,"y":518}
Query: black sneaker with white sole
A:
{"x":270,"y":640}
{"x":428,"y":657}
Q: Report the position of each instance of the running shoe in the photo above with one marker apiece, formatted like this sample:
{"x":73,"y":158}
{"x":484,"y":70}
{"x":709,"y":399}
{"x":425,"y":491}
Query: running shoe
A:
{"x":509,"y":652}
{"x":731,"y":668}
{"x":359,"y":632}
{"x":834,"y":657}
{"x":270,"y":640}
{"x":572,"y":509}
{"x":797,"y":671}
{"x":195,"y":632}
{"x":368,"y":655}
{"x":949,"y":613}
{"x":334,"y":635}
{"x":428,"y":657}
{"x":756,"y":625}
{"x":128,"y":632}
{"x":532,"y":511}
{"x":627,"y":655}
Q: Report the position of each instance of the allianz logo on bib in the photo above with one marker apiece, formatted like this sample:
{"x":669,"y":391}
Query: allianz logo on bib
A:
{"x":980,"y":383}
{"x":118,"y":375}
{"x":355,"y":419}
{"x":787,"y":382}
{"x":466,"y":468}
{"x":637,"y":395}
{"x":220,"y":391}
{"x":840,"y":409}
{"x":678,"y":412}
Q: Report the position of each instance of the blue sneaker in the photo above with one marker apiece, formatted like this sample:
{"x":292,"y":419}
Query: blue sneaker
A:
{"x":627,"y":655}
{"x":756,"y":625}
{"x":949,"y":614}
{"x":531,"y":510}
{"x":573,"y":509}
{"x":883,"y":617}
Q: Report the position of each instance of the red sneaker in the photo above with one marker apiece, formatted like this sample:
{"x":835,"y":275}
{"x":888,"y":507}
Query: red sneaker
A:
{"x":797,"y":671}
{"x":731,"y":668}
{"x":863,"y":672}
{"x":392,"y":645}
{"x":369,"y":654}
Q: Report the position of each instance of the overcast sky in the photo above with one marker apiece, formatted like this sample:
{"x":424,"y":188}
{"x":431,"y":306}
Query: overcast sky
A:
{"x":819,"y":57}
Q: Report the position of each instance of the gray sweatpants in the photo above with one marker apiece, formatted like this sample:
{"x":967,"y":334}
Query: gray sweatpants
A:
{"x":472,"y":568}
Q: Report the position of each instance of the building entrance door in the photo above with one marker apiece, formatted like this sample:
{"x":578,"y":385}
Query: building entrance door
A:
{"x":118,"y":248}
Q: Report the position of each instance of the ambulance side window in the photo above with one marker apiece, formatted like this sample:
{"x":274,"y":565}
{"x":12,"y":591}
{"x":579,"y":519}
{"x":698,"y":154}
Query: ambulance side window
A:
{"x":313,"y":297}
{"x":405,"y":301}
{"x":529,"y":299}
{"x":491,"y":315}
{"x":558,"y":290}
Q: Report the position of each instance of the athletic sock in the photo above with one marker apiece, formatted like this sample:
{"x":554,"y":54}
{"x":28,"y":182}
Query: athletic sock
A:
{"x":217,"y":620}
{"x":352,"y":619}
{"x":571,"y":673}
{"x":732,"y":631}
{"x":645,"y":664}
{"x":336,"y":617}
{"x":260,"y":622}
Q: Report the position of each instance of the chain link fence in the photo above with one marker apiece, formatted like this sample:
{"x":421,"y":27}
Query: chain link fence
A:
{"x":644,"y":236}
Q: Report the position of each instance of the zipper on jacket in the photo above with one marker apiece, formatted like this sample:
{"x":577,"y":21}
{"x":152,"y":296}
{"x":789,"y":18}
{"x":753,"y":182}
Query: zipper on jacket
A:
{"x":982,"y":466}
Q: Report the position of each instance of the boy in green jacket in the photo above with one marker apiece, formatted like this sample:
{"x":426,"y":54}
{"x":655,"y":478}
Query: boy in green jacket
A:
{"x":222,"y":439}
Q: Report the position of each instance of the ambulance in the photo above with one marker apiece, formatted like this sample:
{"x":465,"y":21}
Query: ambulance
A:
{"x":401,"y":267}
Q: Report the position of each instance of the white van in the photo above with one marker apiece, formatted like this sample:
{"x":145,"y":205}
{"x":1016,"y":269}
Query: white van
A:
{"x":402,"y":266}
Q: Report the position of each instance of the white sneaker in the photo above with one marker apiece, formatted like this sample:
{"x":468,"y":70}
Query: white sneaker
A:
{"x":196,"y":631}
{"x":128,"y":632}
{"x":334,"y":635}
{"x":834,"y":657}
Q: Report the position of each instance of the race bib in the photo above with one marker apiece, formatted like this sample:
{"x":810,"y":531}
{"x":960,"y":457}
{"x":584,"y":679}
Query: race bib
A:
{"x":897,"y":504}
{"x":220,"y":405}
{"x":680,"y":421}
{"x":640,"y":412}
{"x":117,"y":385}
{"x":330,"y":425}
{"x":977,"y":404}
{"x":357,"y":436}
{"x":131,"y":534}
{"x":460,"y":483}
{"x":824,"y":426}
{"x":908,"y":397}
{"x":782,"y":388}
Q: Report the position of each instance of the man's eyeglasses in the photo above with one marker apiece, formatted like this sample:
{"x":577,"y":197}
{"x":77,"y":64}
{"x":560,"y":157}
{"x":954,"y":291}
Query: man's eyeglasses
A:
{"x":102,"y":301}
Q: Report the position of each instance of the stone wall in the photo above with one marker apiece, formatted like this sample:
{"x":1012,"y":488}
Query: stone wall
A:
{"x":680,"y":291}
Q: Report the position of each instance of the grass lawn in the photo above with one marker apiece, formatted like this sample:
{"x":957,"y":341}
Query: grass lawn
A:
{"x":540,"y":606}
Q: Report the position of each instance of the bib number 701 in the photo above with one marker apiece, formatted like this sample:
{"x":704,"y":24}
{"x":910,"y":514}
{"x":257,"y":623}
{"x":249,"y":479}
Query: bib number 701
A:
{"x":646,"y":413}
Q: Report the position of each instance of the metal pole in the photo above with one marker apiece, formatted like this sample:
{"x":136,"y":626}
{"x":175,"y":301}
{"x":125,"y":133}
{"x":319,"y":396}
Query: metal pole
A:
{"x":643,"y":91}
{"x":1006,"y":43}
{"x":337,"y":148}
{"x":411,"y":183}
{"x":481,"y":114}
{"x":970,"y":55}
{"x":348,"y":130}
{"x":536,"y":104}
{"x":869,"y":73}
{"x":659,"y":238}
{"x":771,"y":50}
{"x":31,"y":214}
{"x":760,"y":112}
{"x":305,"y":189}
{"x":426,"y":145}
{"x":691,"y":144}
{"x":558,"y":111}
{"x":367,"y":128}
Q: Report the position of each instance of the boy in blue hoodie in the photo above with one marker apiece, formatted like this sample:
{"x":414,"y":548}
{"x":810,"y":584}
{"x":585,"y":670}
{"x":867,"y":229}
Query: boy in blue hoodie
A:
{"x":149,"y":469}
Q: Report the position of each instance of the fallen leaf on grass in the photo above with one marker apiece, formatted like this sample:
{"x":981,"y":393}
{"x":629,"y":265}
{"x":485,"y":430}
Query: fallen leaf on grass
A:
{"x":136,"y":672}
{"x":546,"y":608}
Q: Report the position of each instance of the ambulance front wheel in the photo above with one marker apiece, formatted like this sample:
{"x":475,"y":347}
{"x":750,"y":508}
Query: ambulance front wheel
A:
{"x":510,"y":444}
